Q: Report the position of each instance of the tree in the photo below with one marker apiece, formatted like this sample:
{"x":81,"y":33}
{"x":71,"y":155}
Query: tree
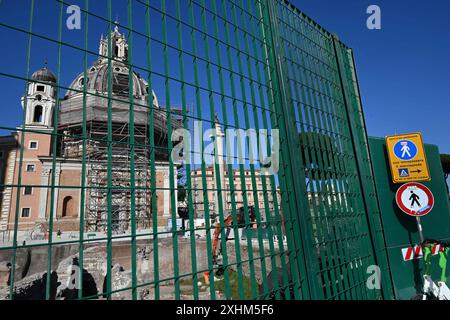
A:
{"x":445,"y":160}
{"x":181,"y":183}
{"x":312,"y":141}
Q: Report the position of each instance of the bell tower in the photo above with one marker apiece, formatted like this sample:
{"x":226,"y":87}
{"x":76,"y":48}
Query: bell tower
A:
{"x":119,"y":45}
{"x":34,"y":141}
{"x":40,"y":99}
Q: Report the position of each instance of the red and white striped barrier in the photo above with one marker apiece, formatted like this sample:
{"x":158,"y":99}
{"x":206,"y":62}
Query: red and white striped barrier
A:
{"x":416,"y":252}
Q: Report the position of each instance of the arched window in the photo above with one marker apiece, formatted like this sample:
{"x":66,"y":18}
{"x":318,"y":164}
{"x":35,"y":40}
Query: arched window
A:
{"x":68,"y":207}
{"x":37,"y":117}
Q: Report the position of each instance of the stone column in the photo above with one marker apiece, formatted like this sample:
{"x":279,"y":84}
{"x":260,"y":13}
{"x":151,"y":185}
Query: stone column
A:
{"x":219,"y":176}
{"x":175,"y":173}
{"x":7,"y":193}
{"x":43,"y":193}
{"x":55,"y":202}
{"x":166,"y":212}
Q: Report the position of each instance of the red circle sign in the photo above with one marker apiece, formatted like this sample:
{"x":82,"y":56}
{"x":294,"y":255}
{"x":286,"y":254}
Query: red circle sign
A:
{"x":414,"y":199}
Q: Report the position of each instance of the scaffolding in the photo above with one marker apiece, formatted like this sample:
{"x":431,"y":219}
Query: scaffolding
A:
{"x":96,"y":159}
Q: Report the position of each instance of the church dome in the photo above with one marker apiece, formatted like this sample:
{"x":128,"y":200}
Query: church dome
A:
{"x":98,"y":74}
{"x":44,"y":75}
{"x":97,"y":81}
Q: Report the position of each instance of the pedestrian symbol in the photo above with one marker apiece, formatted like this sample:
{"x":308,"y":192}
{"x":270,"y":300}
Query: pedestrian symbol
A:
{"x":414,"y":199}
{"x":405,"y":150}
{"x":403,"y":172}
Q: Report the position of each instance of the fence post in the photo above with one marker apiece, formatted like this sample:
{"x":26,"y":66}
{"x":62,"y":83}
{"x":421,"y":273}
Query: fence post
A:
{"x":368,"y":190}
{"x":380,"y":245}
{"x":299,"y":206}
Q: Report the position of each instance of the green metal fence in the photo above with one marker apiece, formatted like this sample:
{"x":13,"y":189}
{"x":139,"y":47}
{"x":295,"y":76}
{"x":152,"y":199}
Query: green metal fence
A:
{"x":113,"y":210}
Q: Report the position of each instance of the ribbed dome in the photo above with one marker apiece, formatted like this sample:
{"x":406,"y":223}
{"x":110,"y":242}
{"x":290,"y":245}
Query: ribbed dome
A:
{"x":44,"y":75}
{"x":97,"y":81}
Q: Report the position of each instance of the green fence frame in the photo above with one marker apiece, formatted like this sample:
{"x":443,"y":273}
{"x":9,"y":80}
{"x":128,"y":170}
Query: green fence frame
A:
{"x":246,"y":65}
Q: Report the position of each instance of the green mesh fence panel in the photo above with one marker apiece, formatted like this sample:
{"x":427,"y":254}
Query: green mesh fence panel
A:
{"x":184,"y":149}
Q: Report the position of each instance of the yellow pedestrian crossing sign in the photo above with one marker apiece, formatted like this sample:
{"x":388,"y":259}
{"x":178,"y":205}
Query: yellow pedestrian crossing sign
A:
{"x":407,"y":158}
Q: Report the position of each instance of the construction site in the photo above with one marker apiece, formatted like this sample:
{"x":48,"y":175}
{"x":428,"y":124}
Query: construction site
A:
{"x":115,"y":163}
{"x":208,"y":150}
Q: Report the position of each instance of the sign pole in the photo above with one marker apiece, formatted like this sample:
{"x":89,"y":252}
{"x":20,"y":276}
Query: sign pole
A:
{"x":419,"y":228}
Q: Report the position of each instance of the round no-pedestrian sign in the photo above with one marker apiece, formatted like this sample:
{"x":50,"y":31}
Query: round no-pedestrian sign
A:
{"x":414,"y":199}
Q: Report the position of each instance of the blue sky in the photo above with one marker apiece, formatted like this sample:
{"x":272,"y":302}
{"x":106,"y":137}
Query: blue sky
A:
{"x":403,"y":68}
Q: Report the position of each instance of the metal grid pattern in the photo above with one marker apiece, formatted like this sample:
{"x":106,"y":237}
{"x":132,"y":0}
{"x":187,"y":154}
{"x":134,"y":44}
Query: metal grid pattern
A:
{"x":333,"y":151}
{"x":310,"y":230}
